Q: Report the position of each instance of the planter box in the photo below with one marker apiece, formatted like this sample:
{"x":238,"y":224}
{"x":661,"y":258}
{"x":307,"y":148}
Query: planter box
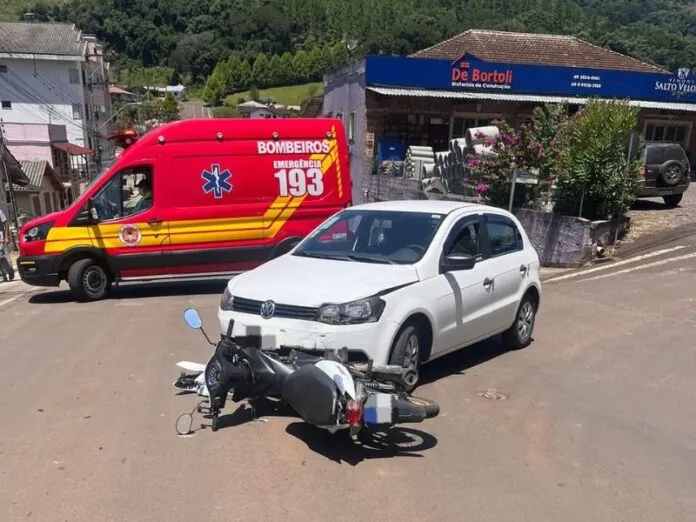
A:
{"x":566,"y":241}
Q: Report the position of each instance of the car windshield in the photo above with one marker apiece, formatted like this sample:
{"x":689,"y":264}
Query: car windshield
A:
{"x":372,"y":236}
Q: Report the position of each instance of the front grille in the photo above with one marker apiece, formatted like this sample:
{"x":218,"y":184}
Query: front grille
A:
{"x":251,"y":306}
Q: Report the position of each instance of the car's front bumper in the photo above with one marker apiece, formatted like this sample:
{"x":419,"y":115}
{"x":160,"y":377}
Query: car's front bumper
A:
{"x":38,"y":270}
{"x":371,"y":339}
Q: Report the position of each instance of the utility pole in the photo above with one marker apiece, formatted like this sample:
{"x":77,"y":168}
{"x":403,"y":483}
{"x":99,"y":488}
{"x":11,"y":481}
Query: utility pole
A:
{"x":10,"y":188}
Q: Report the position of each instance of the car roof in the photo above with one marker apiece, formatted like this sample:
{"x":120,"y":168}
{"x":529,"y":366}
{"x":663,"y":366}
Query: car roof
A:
{"x":430,"y":206}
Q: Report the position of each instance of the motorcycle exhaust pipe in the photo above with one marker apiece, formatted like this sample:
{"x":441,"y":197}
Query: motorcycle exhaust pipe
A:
{"x":405,"y":412}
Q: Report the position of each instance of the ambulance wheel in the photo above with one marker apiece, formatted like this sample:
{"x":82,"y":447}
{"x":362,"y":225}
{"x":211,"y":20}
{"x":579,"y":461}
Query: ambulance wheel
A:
{"x":88,"y":280}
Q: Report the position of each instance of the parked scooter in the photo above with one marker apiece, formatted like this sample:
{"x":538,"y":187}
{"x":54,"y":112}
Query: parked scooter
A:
{"x":328,"y":392}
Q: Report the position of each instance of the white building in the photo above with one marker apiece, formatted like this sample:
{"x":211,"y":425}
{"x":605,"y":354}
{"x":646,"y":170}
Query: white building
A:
{"x":52,"y":74}
{"x":253,"y":109}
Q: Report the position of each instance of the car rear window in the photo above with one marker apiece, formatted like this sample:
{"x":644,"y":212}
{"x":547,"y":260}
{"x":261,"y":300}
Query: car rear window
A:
{"x":674,"y":153}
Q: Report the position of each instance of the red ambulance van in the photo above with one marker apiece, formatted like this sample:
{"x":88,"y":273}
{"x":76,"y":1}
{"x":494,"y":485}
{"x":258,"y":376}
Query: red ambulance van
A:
{"x":193,"y":197}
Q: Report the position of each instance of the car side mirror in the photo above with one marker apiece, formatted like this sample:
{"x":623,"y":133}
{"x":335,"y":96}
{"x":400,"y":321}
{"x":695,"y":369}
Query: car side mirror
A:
{"x":455,"y":262}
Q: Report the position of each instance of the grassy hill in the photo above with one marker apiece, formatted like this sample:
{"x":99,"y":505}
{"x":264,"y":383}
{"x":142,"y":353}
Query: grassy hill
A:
{"x":290,"y":95}
{"x":9,"y":9}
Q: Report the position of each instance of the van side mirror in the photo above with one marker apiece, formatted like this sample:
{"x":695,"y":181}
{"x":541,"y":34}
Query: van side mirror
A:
{"x":455,"y":262}
{"x":92,"y":214}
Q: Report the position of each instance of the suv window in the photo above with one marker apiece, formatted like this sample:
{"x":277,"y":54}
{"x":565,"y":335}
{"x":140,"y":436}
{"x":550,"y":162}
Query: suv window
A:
{"x":503,"y":235}
{"x":674,"y":153}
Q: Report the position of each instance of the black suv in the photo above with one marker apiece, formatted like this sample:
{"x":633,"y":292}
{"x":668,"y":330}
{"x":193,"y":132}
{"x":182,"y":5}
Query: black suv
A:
{"x":666,"y":172}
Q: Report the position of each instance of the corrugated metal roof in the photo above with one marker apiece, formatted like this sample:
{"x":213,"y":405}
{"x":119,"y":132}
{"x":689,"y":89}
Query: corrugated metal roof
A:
{"x":428,"y":93}
{"x":40,"y":38}
{"x":34,"y":170}
{"x":532,"y":48}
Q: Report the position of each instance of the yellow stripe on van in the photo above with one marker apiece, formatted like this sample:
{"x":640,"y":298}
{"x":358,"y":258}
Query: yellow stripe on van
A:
{"x":186,"y":231}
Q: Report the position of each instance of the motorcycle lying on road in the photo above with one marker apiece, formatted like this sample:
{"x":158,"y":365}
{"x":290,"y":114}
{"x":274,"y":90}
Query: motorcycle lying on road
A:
{"x":327,"y":392}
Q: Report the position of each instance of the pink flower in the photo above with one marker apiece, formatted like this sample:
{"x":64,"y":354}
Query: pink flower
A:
{"x":481,"y":188}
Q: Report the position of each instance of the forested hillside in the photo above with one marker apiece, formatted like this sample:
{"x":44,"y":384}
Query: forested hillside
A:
{"x":193,"y":36}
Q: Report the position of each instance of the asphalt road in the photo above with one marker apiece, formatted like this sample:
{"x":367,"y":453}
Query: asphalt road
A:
{"x":596,"y":419}
{"x":194,"y":109}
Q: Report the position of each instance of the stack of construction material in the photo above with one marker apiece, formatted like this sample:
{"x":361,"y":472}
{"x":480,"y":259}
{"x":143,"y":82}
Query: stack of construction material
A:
{"x":420,"y":162}
{"x":392,"y":168}
{"x":478,"y":139}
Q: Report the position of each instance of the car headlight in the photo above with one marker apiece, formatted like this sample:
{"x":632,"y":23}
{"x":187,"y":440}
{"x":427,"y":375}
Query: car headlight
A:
{"x":37,"y":233}
{"x":367,"y":310}
{"x":227,"y":300}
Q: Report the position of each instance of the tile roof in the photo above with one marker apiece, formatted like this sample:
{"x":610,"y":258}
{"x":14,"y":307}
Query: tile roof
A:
{"x":531,"y":48}
{"x":40,"y":38}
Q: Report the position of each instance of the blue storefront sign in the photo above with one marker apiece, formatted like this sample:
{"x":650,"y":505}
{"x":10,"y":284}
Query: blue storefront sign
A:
{"x":471,"y":74}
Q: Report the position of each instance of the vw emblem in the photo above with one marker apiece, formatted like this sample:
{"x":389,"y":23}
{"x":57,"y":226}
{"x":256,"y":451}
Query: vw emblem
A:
{"x":268,"y":309}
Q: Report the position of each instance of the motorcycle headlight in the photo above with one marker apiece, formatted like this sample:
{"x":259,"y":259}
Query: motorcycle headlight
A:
{"x":367,"y":310}
{"x":227,"y":301}
{"x":37,"y":233}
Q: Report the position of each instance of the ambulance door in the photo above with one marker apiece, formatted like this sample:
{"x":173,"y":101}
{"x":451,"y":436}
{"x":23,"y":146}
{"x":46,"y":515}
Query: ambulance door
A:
{"x":130,"y":228}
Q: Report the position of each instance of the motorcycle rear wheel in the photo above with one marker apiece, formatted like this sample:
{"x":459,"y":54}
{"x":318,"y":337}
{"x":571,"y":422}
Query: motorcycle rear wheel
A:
{"x":432,"y":409}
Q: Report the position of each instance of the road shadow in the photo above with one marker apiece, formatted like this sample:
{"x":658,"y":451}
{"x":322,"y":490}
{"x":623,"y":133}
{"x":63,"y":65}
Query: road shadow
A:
{"x":456,"y":363}
{"x":385,"y":444}
{"x":141,"y":291}
{"x":650,"y":204}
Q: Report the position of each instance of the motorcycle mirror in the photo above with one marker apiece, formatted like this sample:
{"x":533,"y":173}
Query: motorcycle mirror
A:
{"x":193,"y":319}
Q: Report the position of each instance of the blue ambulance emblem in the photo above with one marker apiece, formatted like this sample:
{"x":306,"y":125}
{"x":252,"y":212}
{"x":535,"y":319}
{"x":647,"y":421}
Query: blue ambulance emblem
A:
{"x":216,"y":181}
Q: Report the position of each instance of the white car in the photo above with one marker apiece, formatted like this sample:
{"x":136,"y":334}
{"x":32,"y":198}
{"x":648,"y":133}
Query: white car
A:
{"x":404,"y":282}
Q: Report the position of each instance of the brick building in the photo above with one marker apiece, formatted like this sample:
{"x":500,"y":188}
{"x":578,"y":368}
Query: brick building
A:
{"x":436,"y":94}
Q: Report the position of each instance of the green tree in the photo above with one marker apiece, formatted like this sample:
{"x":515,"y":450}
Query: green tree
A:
{"x":245,"y":75}
{"x":595,"y":168}
{"x":288,"y":67}
{"x":261,"y":72}
{"x":279,"y":75}
{"x":170,"y":108}
{"x":217,"y":85}
{"x":300,"y":64}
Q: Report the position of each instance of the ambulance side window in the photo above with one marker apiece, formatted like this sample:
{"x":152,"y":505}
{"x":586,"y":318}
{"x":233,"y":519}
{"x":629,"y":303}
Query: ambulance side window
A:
{"x":128,"y":193}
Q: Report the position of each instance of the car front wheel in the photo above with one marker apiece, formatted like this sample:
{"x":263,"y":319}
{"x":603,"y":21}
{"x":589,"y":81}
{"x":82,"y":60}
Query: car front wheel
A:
{"x":406,"y":352}
{"x":519,"y":335}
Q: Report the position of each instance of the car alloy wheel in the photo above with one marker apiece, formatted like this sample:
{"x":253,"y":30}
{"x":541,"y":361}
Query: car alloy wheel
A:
{"x":412,"y":352}
{"x":525,"y":322}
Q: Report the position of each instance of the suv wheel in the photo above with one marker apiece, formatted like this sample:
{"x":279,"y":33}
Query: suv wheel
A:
{"x":673,"y":174}
{"x":672,"y":200}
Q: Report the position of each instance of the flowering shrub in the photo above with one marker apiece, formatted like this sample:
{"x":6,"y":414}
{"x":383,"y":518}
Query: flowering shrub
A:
{"x":596,"y":172}
{"x":532,"y":148}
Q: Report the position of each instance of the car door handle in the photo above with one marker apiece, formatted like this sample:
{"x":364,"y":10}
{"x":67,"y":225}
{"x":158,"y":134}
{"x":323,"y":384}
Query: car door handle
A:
{"x":154,"y":221}
{"x":487,"y":282}
{"x":523,"y":269}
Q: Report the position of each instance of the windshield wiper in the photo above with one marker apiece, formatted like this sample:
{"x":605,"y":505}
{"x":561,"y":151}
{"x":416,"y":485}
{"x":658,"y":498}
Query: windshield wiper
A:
{"x":322,"y":256}
{"x":371,"y":259}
